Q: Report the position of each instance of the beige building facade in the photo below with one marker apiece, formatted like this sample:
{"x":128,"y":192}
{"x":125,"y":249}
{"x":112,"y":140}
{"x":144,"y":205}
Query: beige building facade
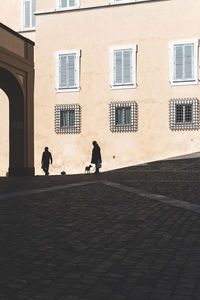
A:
{"x":17,"y":111}
{"x":123,"y":73}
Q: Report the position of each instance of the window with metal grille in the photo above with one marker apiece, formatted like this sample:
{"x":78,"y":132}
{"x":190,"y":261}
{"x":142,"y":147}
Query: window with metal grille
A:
{"x":67,"y":118}
{"x":184,"y":114}
{"x":123,"y":116}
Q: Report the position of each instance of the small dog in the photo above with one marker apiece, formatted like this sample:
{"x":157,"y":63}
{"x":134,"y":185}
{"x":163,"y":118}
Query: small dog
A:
{"x":87,"y":169}
{"x":63,"y":173}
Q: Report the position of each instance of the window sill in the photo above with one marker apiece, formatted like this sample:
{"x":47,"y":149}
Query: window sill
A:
{"x":67,"y":90}
{"x":67,"y":8}
{"x":122,"y":87}
{"x":182,"y":83}
{"x":31,"y":29}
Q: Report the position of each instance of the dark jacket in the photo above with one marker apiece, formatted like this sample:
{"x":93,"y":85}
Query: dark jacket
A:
{"x":96,"y":154}
{"x":46,"y":157}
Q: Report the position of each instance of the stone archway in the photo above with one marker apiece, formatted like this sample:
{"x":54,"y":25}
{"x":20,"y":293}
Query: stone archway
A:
{"x":17,"y":81}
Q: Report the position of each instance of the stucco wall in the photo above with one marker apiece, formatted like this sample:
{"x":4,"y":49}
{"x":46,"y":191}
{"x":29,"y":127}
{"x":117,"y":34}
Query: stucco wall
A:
{"x":151,"y":26}
{"x":11,"y":13}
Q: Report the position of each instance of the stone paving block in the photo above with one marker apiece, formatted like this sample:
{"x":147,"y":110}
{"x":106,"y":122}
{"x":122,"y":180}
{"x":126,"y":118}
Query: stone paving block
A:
{"x":94,"y":242}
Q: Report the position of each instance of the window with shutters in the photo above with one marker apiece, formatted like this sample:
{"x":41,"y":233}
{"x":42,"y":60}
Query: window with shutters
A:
{"x":67,"y":118}
{"x":123,"y":116}
{"x":184,"y":62}
{"x":67,"y":75}
{"x":184,"y":114}
{"x":28,"y":10}
{"x":67,"y":4}
{"x":123,"y":67}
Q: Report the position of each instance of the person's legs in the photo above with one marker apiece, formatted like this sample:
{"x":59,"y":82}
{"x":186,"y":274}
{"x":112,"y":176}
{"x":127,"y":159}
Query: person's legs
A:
{"x":46,"y":169}
{"x":97,"y":169}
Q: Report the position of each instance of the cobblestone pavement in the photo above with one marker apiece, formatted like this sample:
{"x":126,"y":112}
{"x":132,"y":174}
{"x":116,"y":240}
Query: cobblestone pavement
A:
{"x":129,"y":234}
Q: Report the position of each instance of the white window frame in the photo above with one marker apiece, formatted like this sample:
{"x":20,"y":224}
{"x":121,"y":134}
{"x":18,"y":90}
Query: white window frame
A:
{"x":194,"y":124}
{"x":23,"y":17}
{"x":196,"y":62}
{"x":77,"y":88}
{"x":58,"y":7}
{"x":134,"y":51}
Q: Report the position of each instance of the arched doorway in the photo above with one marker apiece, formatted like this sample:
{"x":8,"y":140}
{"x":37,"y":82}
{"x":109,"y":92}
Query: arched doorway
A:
{"x":17,"y":82}
{"x":10,"y":85}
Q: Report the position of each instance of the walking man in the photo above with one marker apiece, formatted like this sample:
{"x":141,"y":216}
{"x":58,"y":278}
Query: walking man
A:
{"x":96,"y":156}
{"x":46,"y":159}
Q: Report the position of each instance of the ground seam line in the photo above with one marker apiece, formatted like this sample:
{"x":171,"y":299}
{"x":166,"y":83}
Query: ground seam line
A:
{"x":43,"y":190}
{"x":161,"y":198}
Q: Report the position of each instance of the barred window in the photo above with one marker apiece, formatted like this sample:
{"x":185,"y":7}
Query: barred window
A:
{"x":67,"y":118}
{"x":123,"y":116}
{"x":184,"y":114}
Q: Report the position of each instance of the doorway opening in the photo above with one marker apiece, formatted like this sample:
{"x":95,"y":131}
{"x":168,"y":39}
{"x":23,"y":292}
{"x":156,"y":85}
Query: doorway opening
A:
{"x":4,"y":136}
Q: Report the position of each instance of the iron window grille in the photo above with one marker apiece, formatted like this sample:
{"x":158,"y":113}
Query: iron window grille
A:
{"x":123,"y":116}
{"x":184,"y":114}
{"x":67,"y":118}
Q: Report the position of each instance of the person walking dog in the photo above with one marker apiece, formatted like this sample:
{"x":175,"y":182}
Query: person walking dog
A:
{"x":96,"y":156}
{"x":46,"y":159}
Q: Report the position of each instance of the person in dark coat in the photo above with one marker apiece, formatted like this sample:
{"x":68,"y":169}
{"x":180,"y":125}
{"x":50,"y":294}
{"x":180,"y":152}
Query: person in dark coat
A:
{"x":96,"y":156}
{"x":46,"y":159}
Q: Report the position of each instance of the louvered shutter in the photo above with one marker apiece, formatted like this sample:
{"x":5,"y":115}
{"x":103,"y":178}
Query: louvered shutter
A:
{"x":189,"y":58}
{"x":63,"y":3}
{"x":71,"y":70}
{"x":127,"y":66}
{"x":27,"y":6}
{"x":62,"y":71}
{"x":118,"y":67}
{"x":71,"y":3}
{"x":184,"y":62}
{"x":33,"y":11}
{"x":178,"y":62}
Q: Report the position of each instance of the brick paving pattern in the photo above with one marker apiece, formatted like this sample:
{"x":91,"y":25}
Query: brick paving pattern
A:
{"x":85,"y":240}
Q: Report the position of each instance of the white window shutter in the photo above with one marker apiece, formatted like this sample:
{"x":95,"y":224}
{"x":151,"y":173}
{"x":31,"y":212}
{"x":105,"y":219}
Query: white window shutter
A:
{"x":118,"y":67}
{"x":71,"y":3}
{"x":189,"y":58}
{"x":63,"y":3}
{"x":27,"y":15}
{"x":33,"y":11}
{"x":178,"y":62}
{"x":127,"y":66}
{"x":71,"y":70}
{"x":62,"y":71}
